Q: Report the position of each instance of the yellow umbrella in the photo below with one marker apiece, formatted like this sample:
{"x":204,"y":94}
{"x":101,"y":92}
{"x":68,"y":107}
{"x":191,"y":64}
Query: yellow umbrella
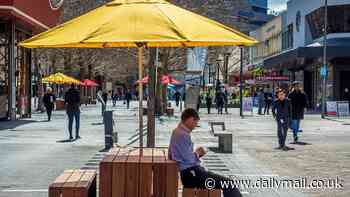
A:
{"x":139,"y":23}
{"x":60,"y":78}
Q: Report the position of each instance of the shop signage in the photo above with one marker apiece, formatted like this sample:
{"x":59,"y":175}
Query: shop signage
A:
{"x":324,"y":71}
{"x":332,"y":108}
{"x":343,"y":108}
{"x":247,"y":104}
{"x":273,"y":78}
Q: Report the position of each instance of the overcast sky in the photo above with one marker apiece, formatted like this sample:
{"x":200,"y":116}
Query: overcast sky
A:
{"x":277,"y":5}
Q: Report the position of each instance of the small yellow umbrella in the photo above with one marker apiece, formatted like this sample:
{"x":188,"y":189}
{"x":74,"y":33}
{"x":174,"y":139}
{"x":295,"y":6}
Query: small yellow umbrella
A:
{"x":139,"y":23}
{"x":60,"y":78}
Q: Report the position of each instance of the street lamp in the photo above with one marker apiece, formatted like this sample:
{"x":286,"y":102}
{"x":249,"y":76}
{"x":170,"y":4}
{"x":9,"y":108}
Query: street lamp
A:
{"x":324,"y":69}
{"x":241,"y":85}
{"x":226,"y":60}
{"x":218,"y":61}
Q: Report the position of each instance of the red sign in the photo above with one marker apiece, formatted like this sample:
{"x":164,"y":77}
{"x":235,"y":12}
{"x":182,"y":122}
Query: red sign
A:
{"x":273,"y":78}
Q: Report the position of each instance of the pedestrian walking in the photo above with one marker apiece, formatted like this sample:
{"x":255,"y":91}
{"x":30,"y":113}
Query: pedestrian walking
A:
{"x":72,"y":102}
{"x":346,"y":96}
{"x":49,"y":102}
{"x":177,"y":97}
{"x":199,"y":102}
{"x":268,"y":101}
{"x":220,"y":101}
{"x":208,"y":101}
{"x":226,"y":100}
{"x":281,"y":111}
{"x":261,"y":98}
{"x":128,"y":97}
{"x":114,"y":98}
{"x":298,"y":101}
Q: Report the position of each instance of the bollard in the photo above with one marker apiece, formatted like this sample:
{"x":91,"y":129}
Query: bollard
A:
{"x":108,"y":123}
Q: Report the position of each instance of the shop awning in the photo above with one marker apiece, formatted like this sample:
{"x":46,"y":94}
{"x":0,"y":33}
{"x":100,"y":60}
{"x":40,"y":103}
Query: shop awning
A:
{"x":292,"y":59}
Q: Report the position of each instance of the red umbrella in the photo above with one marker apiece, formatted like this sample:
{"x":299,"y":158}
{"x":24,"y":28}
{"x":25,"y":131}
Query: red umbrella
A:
{"x":88,"y":82}
{"x":166,"y":79}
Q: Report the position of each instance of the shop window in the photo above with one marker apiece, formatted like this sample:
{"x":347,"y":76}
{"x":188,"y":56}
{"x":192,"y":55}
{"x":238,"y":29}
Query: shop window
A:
{"x":338,"y":20}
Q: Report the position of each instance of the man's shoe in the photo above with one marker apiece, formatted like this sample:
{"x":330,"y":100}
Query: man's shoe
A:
{"x":296,"y":139}
{"x":289,"y":148}
{"x":300,"y":130}
{"x":279,"y":148}
{"x":78,"y":137}
{"x":71,"y":139}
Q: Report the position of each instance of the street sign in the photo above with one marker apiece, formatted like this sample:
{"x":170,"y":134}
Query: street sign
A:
{"x":324,"y":71}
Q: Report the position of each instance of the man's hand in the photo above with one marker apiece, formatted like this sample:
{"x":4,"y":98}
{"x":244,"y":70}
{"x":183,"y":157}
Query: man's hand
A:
{"x":200,"y":151}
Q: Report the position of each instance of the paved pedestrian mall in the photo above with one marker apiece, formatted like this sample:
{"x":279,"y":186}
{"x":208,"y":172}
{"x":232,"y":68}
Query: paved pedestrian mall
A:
{"x":33,"y":152}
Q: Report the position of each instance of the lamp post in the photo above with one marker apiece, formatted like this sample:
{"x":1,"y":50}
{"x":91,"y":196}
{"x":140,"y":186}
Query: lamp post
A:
{"x":324,"y":69}
{"x":218,"y":61}
{"x":226,"y":60}
{"x":241,"y":85}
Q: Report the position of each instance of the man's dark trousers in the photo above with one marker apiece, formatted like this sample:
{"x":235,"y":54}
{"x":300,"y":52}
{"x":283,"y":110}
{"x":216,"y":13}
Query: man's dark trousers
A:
{"x":282,"y":128}
{"x":196,"y":177}
{"x":71,"y":116}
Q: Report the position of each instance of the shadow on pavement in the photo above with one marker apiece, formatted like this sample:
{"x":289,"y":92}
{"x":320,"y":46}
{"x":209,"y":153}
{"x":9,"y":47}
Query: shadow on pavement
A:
{"x":5,"y":125}
{"x":301,"y":143}
{"x":65,"y":141}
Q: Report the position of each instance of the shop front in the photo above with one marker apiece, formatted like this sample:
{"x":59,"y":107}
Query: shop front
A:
{"x":304,"y":65}
{"x":20,"y":20}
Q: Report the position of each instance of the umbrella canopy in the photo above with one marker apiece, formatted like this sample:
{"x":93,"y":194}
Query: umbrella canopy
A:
{"x":90,"y":83}
{"x":60,"y":78}
{"x":139,"y":23}
{"x":165,"y":79}
{"x":131,"y":23}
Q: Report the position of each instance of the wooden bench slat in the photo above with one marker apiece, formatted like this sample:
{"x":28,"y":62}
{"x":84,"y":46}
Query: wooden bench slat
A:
{"x":118,"y":174}
{"x":146,"y":173}
{"x":159,"y":173}
{"x":132,"y":175}
{"x":106,"y":170}
{"x":70,"y":184}
{"x":215,"y":193}
{"x":55,"y":188}
{"x":171,"y":179}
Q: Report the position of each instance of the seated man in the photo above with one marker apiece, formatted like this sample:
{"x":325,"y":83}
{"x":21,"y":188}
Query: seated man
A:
{"x":181,"y":150}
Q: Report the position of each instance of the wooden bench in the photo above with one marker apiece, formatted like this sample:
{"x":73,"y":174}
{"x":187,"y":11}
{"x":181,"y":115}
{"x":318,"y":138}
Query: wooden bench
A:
{"x":189,"y":192}
{"x":132,"y":173}
{"x":225,"y":137}
{"x":74,"y":183}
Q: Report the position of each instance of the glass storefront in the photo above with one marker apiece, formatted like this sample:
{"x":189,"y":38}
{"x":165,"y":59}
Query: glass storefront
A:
{"x":22,"y":73}
{"x":338,"y":20}
{"x":4,"y":90}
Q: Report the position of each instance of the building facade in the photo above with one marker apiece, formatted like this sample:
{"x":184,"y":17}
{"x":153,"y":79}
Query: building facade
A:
{"x":301,"y":47}
{"x":20,"y":20}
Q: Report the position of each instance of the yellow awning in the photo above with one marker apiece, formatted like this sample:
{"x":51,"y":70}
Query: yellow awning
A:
{"x":126,"y":23}
{"x":60,"y":78}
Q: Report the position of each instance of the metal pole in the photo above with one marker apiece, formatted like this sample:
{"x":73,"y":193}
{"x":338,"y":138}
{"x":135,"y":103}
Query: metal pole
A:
{"x":241,"y":86}
{"x":325,"y":66}
{"x":140,"y":54}
{"x":12,"y":72}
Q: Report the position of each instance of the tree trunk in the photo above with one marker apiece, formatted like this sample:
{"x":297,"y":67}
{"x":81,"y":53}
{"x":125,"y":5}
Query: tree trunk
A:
{"x":151,"y":99}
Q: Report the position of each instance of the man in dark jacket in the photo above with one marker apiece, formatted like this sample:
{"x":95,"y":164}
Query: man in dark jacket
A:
{"x":72,"y":102}
{"x":49,"y":100}
{"x":208,"y":101}
{"x":299,"y":101}
{"x":128,"y":97}
{"x":177,"y":96}
{"x":281,"y":111}
{"x":220,"y":101}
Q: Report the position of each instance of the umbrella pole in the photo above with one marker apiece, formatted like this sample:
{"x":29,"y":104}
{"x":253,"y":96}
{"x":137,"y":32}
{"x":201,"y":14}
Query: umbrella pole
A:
{"x":140,"y":54}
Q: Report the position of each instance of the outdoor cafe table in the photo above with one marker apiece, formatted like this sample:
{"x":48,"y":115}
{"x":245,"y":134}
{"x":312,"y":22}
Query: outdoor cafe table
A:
{"x":128,"y":172}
